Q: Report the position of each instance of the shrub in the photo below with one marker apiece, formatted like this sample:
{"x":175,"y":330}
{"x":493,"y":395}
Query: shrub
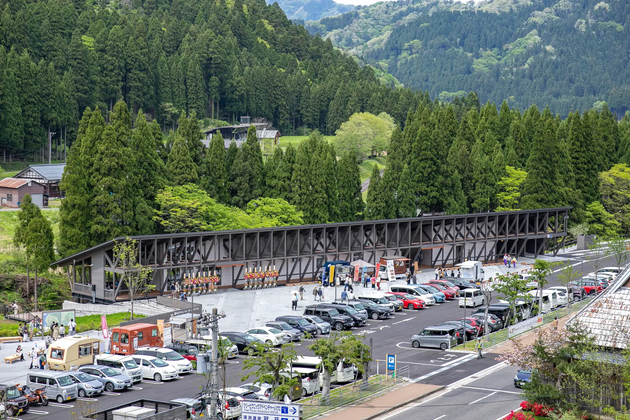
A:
{"x":519,"y":415}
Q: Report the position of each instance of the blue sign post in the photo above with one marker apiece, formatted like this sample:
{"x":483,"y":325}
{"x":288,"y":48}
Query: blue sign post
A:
{"x":391,"y":364}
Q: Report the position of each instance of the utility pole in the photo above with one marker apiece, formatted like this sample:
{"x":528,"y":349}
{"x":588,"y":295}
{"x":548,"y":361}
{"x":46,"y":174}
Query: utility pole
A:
{"x":213,"y":384}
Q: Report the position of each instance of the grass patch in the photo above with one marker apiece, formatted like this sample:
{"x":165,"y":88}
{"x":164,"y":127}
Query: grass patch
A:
{"x":8,"y":174}
{"x":366,"y":167}
{"x":9,"y":328}
{"x":295,"y":141}
{"x":8,"y":224}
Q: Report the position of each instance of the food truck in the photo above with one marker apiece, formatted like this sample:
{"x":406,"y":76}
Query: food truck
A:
{"x":125,"y":340}
{"x":72,"y":352}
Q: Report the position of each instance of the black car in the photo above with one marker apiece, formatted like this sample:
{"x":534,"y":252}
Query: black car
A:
{"x":358,"y":318}
{"x":461,"y":332}
{"x":471,"y":332}
{"x":245,"y":343}
{"x":462,"y":284}
{"x":187,"y":350}
{"x":374,"y":310}
{"x":299,"y":323}
{"x":336,"y":320}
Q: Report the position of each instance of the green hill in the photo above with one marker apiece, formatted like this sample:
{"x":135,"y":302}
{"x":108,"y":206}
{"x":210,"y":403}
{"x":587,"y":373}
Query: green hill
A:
{"x":311,"y":9}
{"x":565,"y":54}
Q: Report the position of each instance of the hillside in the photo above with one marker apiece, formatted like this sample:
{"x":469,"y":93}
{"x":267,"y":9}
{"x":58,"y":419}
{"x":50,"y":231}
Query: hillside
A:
{"x":305,"y":10}
{"x":565,"y":54}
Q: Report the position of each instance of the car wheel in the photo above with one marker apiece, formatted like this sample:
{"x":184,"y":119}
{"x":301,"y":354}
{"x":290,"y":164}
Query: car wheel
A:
{"x":415,"y":344}
{"x":250,"y":351}
{"x":443,"y":346}
{"x":592,"y":292}
{"x":109,"y":387}
{"x":319,"y":331}
{"x":374,"y":315}
{"x":269,"y":342}
{"x":338,"y":326}
{"x":59,"y":399}
{"x":304,"y":393}
{"x":157,"y":377}
{"x":81,"y":393}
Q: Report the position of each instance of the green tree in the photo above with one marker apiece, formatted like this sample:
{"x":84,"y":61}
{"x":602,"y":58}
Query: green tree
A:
{"x":600,"y":222}
{"x":365,"y":134}
{"x":483,"y":181}
{"x":28,"y":212}
{"x":618,"y":250}
{"x":135,"y":276}
{"x":583,"y":157}
{"x":269,"y":366}
{"x":215,"y":181}
{"x":255,"y":160}
{"x":615,"y":193}
{"x":567,"y":276}
{"x":181,"y":167}
{"x":349,"y":183}
{"x":243,"y":182}
{"x":509,"y":189}
{"x":375,"y":207}
{"x":271,"y":212}
{"x":39,"y":247}
{"x":511,"y":287}
{"x":195,"y":88}
{"x":405,"y":199}
{"x":540,"y":272}
{"x":230,"y":156}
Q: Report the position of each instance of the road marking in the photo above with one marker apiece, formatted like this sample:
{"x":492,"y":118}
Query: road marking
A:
{"x":450,"y":366}
{"x":404,"y":320}
{"x":384,"y":326}
{"x":38,"y":412}
{"x":87,"y":399}
{"x":495,"y":390}
{"x":441,"y":417}
{"x":54,"y":404}
{"x":482,"y":398}
{"x":152,"y":381}
{"x":478,"y":375}
{"x":111,"y":393}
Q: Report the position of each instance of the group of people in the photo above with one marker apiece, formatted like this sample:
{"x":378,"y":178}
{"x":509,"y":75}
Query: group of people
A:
{"x":507,"y":261}
{"x":374,"y":280}
{"x":26,"y":330}
{"x":441,"y":273}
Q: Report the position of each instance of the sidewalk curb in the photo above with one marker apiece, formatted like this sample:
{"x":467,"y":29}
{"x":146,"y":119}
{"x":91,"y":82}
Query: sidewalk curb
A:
{"x":402,"y":404}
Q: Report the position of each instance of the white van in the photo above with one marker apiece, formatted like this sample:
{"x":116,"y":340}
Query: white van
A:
{"x":471,"y":297}
{"x":155,"y":368}
{"x":125,"y":364}
{"x":472,"y":271}
{"x":546,"y":300}
{"x":345,"y":372}
{"x":310,"y":380}
{"x":59,"y":386}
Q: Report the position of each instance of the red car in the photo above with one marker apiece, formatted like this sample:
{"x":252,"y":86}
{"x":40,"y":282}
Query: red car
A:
{"x":474,"y":322}
{"x":590,"y":286}
{"x":409,"y":301}
{"x":449,"y":292}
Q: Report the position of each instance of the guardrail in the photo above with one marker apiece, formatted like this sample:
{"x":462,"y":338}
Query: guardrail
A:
{"x":349,"y":394}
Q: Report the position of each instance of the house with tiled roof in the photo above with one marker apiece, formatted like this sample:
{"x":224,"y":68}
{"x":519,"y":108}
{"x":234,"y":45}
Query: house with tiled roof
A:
{"x":12,"y":192}
{"x":47,"y":175}
{"x":607,"y":317}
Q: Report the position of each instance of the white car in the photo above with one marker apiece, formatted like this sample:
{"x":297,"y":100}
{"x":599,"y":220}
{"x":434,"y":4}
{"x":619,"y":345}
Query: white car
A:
{"x":269,"y":335}
{"x":562,"y":295}
{"x":155,"y":368}
{"x":169,"y":356}
{"x":263,"y":391}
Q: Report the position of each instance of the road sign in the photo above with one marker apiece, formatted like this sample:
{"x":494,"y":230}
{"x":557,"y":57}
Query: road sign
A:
{"x":255,"y":410}
{"x":391,"y":362}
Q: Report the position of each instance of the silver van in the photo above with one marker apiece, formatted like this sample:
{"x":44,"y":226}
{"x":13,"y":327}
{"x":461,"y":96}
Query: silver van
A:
{"x":59,"y":385}
{"x":442,"y":337}
{"x":125,"y":364}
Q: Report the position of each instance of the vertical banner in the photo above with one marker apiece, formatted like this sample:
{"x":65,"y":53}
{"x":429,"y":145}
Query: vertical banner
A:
{"x":160,"y":325}
{"x":356,"y":273}
{"x":331,"y":278}
{"x":391,"y":272}
{"x":104,"y":326}
{"x":378,"y":270}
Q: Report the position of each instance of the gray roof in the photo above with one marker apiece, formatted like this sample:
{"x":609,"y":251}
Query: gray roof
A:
{"x":226,"y":143}
{"x":266,"y":134}
{"x":52,"y":172}
{"x":607,"y":317}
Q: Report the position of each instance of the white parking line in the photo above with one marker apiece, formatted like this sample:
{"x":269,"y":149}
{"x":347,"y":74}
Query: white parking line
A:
{"x":111,"y":393}
{"x":135,"y":387}
{"x":428,"y":375}
{"x":87,"y":399}
{"x":441,"y":417}
{"x":151,"y":381}
{"x":54,"y":404}
{"x":404,"y":320}
{"x":38,"y":412}
{"x":495,"y":390}
{"x":482,"y":398}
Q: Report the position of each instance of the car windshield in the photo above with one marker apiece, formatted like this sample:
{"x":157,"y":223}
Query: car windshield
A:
{"x":250,"y":338}
{"x":83,"y":377}
{"x":449,"y":284}
{"x":173,"y":355}
{"x":12,"y":392}
{"x":302,"y":322}
{"x":275,"y":331}
{"x":369,"y":304}
{"x":130,"y":364}
{"x":382,"y":300}
{"x":317,"y":319}
{"x":438,"y":286}
{"x":410,"y":297}
{"x":390,"y":298}
{"x":333,"y":312}
{"x":110,"y":372}
{"x":431,"y":289}
{"x":359,"y":307}
{"x":65,"y":380}
{"x":284,"y":325}
{"x":351,"y":310}
{"x":159,"y":363}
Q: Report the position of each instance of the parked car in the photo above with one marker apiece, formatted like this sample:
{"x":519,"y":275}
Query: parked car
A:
{"x":227,"y":349}
{"x":471,"y":297}
{"x":322,"y":326}
{"x":398,"y":305}
{"x":243,"y":394}
{"x":434,"y":291}
{"x":59,"y":386}
{"x":15,"y":402}
{"x":294,"y":333}
{"x":494,"y":323}
{"x":299,"y":323}
{"x":523,"y":377}
{"x":469,"y":330}
{"x":442,"y":337}
{"x":269,"y":335}
{"x":111,"y":378}
{"x":199,"y":407}
{"x":125,"y":364}
{"x":155,"y":368}
{"x":357,"y":318}
{"x":188,"y":351}
{"x":379,"y":300}
{"x":263,"y":391}
{"x":412,"y":289}
{"x":246,"y":343}
{"x":449,"y":289}
{"x":590,"y":287}
{"x":462,"y":283}
{"x":409,"y":301}
{"x":330,"y":315}
{"x":572,"y":292}
{"x":169,"y":356}
{"x":475,"y":323}
{"x":358,"y":306}
{"x":374,"y":310}
{"x":87,"y":385}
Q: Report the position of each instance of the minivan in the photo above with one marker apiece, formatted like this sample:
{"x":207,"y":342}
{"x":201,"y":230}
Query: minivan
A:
{"x":471,"y":297}
{"x":59,"y":386}
{"x":330,"y":315}
{"x":358,"y":319}
{"x":442,"y":337}
{"x":379,"y":300}
{"x":299,"y":323}
{"x":358,"y":306}
{"x":425,"y":296}
{"x":125,"y":364}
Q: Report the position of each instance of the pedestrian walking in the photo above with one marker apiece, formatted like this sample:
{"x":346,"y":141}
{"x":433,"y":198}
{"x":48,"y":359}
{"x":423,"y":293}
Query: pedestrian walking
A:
{"x":320,"y":293}
{"x":344,"y":296}
{"x":33,"y":356}
{"x":365,"y":280}
{"x":504,"y":260}
{"x":55,"y":331}
{"x":373,"y":282}
{"x":378,"y":283}
{"x":294,"y":301}
{"x":437,"y":273}
{"x":453,"y":273}
{"x":47,"y":341}
{"x":555,"y":323}
{"x":25,"y":333}
{"x":302,"y":290}
{"x":42,"y":361}
{"x":72,"y":327}
{"x":479,"y":348}
{"x":408,"y":278}
{"x":62,"y":331}
{"x":350,"y":288}
{"x":514,"y":262}
{"x":315,"y":293}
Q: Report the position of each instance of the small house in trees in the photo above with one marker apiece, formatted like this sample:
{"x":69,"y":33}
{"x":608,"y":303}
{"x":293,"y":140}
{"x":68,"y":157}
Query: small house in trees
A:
{"x":47,"y":175}
{"x":12,"y":192}
{"x":238,"y":134}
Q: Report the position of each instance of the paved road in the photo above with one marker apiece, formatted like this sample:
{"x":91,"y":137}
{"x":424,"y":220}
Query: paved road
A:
{"x":388,"y":336}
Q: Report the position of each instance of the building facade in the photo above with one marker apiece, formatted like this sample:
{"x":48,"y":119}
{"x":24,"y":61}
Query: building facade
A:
{"x":12,"y":192}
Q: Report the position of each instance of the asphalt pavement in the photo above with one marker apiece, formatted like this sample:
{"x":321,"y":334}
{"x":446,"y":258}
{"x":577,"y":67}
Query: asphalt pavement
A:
{"x":482,"y":398}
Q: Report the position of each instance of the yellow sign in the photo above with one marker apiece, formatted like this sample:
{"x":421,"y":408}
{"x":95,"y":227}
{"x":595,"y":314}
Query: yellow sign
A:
{"x":331,"y":279}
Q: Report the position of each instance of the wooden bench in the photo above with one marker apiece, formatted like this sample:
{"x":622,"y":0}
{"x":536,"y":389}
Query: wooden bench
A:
{"x":16,"y":338}
{"x":11,"y":359}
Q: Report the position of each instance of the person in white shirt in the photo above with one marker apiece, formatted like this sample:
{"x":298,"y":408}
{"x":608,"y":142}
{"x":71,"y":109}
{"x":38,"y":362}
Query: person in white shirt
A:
{"x":72,"y":327}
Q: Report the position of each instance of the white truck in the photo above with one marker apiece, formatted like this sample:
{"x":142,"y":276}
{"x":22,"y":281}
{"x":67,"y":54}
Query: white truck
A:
{"x":472,"y":271}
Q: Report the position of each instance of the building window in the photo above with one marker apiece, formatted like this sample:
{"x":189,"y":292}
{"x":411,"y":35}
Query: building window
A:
{"x":9,"y":198}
